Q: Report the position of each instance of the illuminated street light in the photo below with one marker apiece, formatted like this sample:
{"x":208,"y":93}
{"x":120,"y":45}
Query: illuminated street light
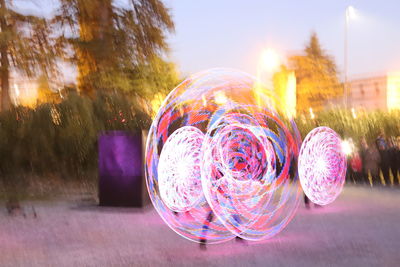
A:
{"x":351,"y":12}
{"x":270,"y":60}
{"x":268,"y":63}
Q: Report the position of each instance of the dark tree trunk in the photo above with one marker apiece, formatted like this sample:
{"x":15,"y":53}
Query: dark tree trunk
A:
{"x":5,"y":64}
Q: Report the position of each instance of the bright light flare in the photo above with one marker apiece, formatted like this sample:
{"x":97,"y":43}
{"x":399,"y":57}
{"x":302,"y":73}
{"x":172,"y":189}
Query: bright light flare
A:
{"x":220,"y":98}
{"x":270,"y":60}
{"x":312,"y":115}
{"x":351,"y":13}
{"x":347,"y":147}
{"x":17,"y":92}
{"x":353,"y":113}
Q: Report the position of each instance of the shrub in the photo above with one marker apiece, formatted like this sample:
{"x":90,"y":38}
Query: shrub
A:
{"x":61,"y":139}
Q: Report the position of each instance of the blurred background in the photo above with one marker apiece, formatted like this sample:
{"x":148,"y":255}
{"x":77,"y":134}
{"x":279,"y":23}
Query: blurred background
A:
{"x":73,"y":69}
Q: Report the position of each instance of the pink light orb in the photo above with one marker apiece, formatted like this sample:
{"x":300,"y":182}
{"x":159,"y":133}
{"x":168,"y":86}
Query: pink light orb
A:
{"x":322,"y":165}
{"x":179,"y":169}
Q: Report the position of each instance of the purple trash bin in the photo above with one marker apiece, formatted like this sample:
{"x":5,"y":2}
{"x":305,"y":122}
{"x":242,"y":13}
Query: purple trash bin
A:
{"x":121,"y":180}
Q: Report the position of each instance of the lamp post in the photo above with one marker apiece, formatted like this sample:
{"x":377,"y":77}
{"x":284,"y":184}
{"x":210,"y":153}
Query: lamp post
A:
{"x":350,"y":13}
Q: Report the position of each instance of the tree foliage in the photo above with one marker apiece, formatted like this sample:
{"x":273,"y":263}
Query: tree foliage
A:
{"x":316,"y":77}
{"x":45,"y":92}
{"x":111,"y":42}
{"x":26,"y":47}
{"x":61,"y":138}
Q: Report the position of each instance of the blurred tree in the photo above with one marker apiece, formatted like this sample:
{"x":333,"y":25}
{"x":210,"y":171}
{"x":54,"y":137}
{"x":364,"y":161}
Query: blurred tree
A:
{"x":114,"y":43}
{"x":25,"y":46}
{"x":154,"y":80}
{"x":45,"y":93}
{"x":316,"y":77}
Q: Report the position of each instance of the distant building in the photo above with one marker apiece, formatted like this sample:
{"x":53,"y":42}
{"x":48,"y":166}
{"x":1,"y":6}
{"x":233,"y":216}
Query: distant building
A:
{"x":381,"y":92}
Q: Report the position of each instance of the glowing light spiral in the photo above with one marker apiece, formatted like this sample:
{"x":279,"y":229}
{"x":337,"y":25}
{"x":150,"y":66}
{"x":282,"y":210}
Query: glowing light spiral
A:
{"x":179,"y":169}
{"x":218,"y":163}
{"x":322,"y":165}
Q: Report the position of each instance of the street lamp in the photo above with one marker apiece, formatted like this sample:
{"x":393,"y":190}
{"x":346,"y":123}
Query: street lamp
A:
{"x":349,"y":14}
{"x":268,"y":64}
{"x":270,"y":60}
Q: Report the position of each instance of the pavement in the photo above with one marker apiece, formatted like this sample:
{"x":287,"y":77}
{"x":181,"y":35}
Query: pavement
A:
{"x":361,"y":228}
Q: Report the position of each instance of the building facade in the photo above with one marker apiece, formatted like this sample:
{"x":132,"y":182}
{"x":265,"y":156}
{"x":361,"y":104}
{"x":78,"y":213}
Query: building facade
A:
{"x":373,"y":93}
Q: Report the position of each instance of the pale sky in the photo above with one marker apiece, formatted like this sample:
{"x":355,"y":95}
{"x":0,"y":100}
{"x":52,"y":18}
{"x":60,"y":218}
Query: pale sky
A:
{"x":232,"y":33}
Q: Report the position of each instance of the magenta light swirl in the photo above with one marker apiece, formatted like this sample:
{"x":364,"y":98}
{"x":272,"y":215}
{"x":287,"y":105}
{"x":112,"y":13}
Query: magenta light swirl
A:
{"x":322,"y":165}
{"x":218,"y":163}
{"x":245,"y":174}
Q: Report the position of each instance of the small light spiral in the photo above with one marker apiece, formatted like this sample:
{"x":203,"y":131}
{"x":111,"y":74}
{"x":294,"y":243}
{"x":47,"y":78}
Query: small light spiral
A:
{"x":322,"y":165}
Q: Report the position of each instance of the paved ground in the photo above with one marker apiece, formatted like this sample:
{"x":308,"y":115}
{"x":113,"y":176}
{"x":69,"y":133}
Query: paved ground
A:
{"x":362,"y":228}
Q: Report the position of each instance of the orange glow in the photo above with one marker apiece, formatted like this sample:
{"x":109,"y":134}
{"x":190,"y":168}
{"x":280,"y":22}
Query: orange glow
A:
{"x":312,"y":115}
{"x":393,"y":90}
{"x":24,"y":92}
{"x":156,"y":103}
{"x":290,"y":96}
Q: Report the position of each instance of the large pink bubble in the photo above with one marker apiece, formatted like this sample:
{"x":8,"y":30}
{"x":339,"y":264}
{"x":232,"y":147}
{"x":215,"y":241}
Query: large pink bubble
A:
{"x":220,"y":161}
{"x":322,"y":165}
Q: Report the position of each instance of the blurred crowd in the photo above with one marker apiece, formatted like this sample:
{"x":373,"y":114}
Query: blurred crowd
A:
{"x":376,"y":163}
